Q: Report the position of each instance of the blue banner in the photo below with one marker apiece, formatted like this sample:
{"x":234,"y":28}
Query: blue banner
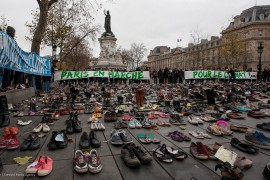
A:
{"x":14,"y":58}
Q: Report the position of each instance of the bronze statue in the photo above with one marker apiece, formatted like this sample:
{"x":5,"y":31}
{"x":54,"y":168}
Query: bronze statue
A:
{"x":107,"y":25}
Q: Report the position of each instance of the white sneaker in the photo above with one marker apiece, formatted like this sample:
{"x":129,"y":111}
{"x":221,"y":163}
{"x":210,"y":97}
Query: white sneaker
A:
{"x":131,"y":124}
{"x":94,"y":126}
{"x":137,"y":124}
{"x":100,"y":126}
{"x":45,"y":128}
{"x":38,"y":128}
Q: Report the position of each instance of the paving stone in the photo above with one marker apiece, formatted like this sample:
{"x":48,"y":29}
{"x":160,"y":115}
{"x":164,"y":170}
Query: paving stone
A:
{"x":13,"y":172}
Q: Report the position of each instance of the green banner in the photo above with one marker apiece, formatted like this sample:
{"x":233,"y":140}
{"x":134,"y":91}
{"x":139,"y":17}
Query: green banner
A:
{"x":65,"y":75}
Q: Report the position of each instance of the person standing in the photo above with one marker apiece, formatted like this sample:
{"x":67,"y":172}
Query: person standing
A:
{"x":166,"y":75}
{"x":232,"y":75}
{"x":160,"y":76}
{"x":155,"y":75}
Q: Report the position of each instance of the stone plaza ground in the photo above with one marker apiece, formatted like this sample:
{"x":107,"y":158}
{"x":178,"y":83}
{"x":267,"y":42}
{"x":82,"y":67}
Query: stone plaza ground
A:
{"x":113,"y":165}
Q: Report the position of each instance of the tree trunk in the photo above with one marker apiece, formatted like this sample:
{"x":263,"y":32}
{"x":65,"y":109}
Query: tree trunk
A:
{"x":39,"y":33}
{"x":44,"y":6}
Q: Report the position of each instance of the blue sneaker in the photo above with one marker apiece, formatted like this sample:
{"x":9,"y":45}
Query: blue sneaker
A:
{"x":257,"y":139}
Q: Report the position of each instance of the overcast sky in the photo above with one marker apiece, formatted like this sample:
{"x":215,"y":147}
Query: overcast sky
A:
{"x":152,"y":22}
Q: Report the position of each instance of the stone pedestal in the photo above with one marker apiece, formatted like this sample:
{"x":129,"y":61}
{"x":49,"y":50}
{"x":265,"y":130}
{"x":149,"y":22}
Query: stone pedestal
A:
{"x":109,"y":57}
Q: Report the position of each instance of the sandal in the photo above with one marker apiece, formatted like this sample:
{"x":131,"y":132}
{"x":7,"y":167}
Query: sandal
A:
{"x":162,"y":154}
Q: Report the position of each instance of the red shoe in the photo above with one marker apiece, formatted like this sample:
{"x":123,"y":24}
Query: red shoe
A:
{"x":4,"y":141}
{"x":33,"y":168}
{"x":13,"y":142}
{"x":45,"y":167}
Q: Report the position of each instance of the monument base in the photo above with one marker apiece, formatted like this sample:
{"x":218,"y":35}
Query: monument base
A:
{"x":110,"y":57}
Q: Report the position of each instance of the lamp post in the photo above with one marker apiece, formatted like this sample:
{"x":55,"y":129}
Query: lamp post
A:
{"x":54,"y":49}
{"x":260,"y":51}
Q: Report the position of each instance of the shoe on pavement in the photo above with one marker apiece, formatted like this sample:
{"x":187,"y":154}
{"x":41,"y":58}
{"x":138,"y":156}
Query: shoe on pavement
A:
{"x":94,"y":163}
{"x":129,"y":156}
{"x":46,"y":165}
{"x":79,"y":162}
{"x":115,"y":138}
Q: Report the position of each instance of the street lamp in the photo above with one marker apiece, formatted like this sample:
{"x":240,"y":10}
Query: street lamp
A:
{"x":54,"y":49}
{"x":260,"y":51}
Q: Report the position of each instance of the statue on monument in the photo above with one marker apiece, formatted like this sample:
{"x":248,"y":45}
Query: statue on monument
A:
{"x":107,"y":25}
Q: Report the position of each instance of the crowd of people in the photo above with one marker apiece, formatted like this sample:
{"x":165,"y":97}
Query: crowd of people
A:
{"x":10,"y":79}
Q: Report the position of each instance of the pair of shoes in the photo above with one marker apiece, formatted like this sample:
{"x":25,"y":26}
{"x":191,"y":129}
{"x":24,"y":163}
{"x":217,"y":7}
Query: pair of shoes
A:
{"x":167,"y":154}
{"x":134,"y":155}
{"x":30,"y":143}
{"x":84,"y":162}
{"x":87,"y":140}
{"x":47,"y":119}
{"x":134,"y":124}
{"x":110,"y":116}
{"x":73,"y":124}
{"x":119,"y":137}
{"x":10,"y":130}
{"x":175,"y":119}
{"x":97,"y":126}
{"x":58,"y":140}
{"x":201,"y":151}
{"x":41,"y":127}
{"x":178,"y":136}
{"x":248,"y":148}
{"x":258,"y":139}
{"x":199,"y":134}
{"x":147,"y":139}
{"x":9,"y":141}
{"x":195,"y":120}
{"x":42,"y":166}
{"x":120,"y":124}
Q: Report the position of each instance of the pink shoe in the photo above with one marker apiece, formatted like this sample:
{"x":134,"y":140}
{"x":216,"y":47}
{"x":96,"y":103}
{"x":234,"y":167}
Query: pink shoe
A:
{"x":13,"y":142}
{"x":45,"y":167}
{"x":33,"y":168}
{"x":3,"y":142}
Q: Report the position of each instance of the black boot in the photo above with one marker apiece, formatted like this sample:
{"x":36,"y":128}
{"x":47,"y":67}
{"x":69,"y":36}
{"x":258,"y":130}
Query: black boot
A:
{"x":76,"y":123}
{"x":4,"y":113}
{"x":3,"y":104}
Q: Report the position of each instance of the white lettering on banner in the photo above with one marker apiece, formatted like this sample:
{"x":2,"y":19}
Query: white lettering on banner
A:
{"x":206,"y":74}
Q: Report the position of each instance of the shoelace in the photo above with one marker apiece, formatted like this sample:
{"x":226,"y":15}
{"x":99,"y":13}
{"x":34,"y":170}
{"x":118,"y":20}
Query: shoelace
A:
{"x":131,"y":153}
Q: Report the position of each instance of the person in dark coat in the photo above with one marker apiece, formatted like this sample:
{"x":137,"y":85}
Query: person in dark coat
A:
{"x":160,"y":76}
{"x":165,"y":75}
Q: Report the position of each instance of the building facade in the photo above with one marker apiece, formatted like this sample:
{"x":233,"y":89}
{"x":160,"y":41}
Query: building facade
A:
{"x":236,"y":48}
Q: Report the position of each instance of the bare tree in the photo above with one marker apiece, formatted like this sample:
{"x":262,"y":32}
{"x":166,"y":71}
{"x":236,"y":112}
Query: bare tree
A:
{"x":3,"y":23}
{"x":197,"y":36}
{"x":136,"y":54}
{"x":65,"y":18}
